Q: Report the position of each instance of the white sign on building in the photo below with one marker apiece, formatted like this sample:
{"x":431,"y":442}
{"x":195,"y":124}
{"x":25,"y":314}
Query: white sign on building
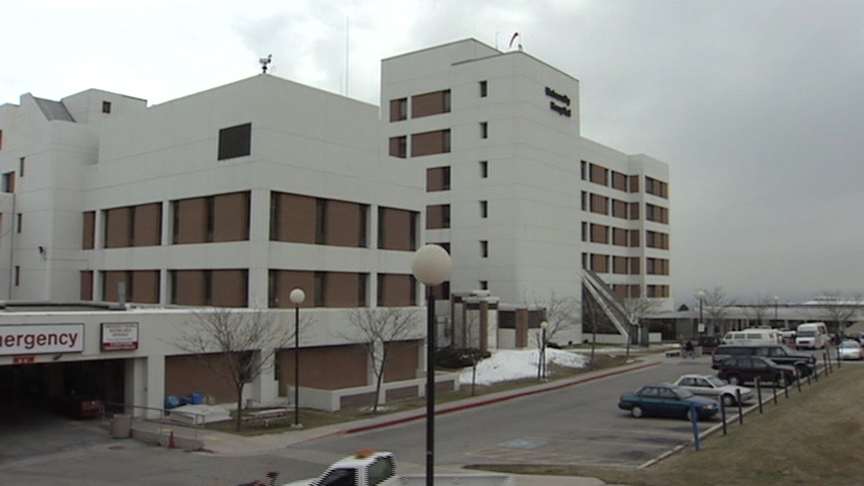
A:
{"x":41,"y":339}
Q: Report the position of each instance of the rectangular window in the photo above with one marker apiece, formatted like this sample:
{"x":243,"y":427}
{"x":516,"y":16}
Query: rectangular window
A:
{"x":657,"y":214}
{"x":321,"y":221}
{"x":399,"y":147}
{"x":438,"y":179}
{"x":21,"y":167}
{"x":599,"y":233}
{"x":9,"y":179}
{"x":17,"y":275}
{"x":484,"y":285}
{"x":599,"y":204}
{"x":484,"y":129}
{"x":397,"y":229}
{"x":634,"y":239}
{"x":430,"y":104}
{"x":634,"y":210}
{"x":599,"y":175}
{"x":484,"y":209}
{"x":89,"y":232}
{"x":484,"y":89}
{"x":399,"y":109}
{"x":235,"y":141}
{"x":484,"y":169}
{"x":430,"y":143}
{"x":1,"y":139}
{"x":635,"y":266}
{"x":619,"y":209}
{"x":20,"y":220}
{"x":633,"y":186}
{"x":484,"y":249}
{"x":106,"y":107}
{"x":655,"y":187}
{"x":584,"y":231}
{"x":438,"y":216}
{"x":583,"y":169}
{"x":619,"y":237}
{"x":600,"y":263}
{"x":619,"y":265}
{"x":619,"y":181}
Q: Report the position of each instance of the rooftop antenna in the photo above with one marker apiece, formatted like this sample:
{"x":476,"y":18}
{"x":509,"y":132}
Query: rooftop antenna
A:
{"x":516,"y":35}
{"x":264,"y":62}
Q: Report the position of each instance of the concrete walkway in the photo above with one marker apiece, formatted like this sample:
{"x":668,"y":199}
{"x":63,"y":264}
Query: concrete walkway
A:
{"x":221,"y":443}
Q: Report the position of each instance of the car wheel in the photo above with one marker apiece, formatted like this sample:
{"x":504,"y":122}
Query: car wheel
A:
{"x":733,"y":380}
{"x":728,"y":400}
{"x":636,"y":411}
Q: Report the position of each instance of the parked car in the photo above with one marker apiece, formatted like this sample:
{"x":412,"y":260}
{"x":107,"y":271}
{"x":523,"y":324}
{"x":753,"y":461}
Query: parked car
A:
{"x":667,"y":400}
{"x":713,"y":387}
{"x":709,"y":343}
{"x":780,"y":354}
{"x":850,"y":349}
{"x":745,"y":369}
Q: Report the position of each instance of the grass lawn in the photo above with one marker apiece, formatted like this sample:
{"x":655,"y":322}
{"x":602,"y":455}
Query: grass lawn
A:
{"x":812,"y":438}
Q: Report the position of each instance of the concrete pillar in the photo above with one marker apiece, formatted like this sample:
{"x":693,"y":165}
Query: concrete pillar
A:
{"x":155,"y":384}
{"x":265,"y":388}
{"x":259,"y":234}
{"x":135,"y":390}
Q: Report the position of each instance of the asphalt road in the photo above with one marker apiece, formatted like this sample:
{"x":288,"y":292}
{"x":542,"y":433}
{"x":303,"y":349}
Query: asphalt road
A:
{"x":580,"y":424}
{"x":576,"y":425}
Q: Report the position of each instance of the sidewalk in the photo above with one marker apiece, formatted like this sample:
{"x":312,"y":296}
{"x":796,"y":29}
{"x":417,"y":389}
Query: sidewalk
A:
{"x":221,"y":443}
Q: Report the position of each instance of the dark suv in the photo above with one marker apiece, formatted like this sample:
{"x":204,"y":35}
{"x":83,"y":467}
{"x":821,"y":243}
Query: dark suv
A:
{"x":780,"y":354}
{"x":743,"y":369}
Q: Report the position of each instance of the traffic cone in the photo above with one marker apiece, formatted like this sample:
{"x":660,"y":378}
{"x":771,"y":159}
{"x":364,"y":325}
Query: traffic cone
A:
{"x":171,"y":443}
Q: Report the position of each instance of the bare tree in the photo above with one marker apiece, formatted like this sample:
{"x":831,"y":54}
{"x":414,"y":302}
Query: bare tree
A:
{"x":377,"y":328}
{"x":717,"y":304}
{"x":235,"y":344}
{"x":637,"y":308}
{"x":561,"y":314}
{"x":759,"y":310}
{"x":837,"y":309}
{"x":593,"y":318}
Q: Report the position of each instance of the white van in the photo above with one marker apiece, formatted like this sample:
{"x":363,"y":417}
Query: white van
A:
{"x":811,"y":335}
{"x":753,"y":337}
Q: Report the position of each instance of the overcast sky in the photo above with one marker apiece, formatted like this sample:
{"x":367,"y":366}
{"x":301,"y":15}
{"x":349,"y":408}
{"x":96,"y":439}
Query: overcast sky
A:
{"x":756,"y":105}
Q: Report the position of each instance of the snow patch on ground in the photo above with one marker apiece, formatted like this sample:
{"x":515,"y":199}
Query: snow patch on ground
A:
{"x":515,"y":364}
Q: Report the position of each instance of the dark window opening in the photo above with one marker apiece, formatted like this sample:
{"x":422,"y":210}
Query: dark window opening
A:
{"x":106,"y":107}
{"x":235,"y":141}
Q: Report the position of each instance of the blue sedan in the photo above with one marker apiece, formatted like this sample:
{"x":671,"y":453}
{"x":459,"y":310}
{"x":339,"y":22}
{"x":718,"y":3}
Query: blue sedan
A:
{"x":667,"y":400}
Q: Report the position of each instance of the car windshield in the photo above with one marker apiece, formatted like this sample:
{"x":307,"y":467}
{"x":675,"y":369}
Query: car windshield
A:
{"x":715,"y":381}
{"x":682,"y":393}
{"x":806,"y":333}
{"x":850,"y":344}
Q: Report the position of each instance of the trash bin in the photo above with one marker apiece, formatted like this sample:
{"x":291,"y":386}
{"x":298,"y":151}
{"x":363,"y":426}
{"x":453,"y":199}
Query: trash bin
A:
{"x":121,"y":426}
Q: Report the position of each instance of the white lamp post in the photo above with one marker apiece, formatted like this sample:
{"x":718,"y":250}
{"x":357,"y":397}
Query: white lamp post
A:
{"x":431,"y":265}
{"x":543,"y":326}
{"x":701,"y":296}
{"x":297,"y":297}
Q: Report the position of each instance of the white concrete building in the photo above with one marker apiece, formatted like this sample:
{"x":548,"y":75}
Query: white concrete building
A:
{"x":234,"y":196}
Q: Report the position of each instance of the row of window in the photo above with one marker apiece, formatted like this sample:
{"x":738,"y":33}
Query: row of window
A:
{"x":598,"y":174}
{"x":438,"y":178}
{"x":599,"y":233}
{"x":229,"y":288}
{"x":226,"y":217}
{"x":427,"y":143}
{"x":428,"y":104}
{"x":623,"y":265}
{"x":629,"y":291}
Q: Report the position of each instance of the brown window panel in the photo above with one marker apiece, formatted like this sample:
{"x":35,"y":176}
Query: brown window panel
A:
{"x":190,"y":287}
{"x":619,"y":181}
{"x":111,"y":281}
{"x":430,"y":104}
{"x":438,"y":179}
{"x":144,"y":287}
{"x":399,"y":147}
{"x":229,"y":288}
{"x":599,"y":175}
{"x":399,"y":109}
{"x":230,"y":217}
{"x":118,"y":227}
{"x":191,"y":220}
{"x":343,"y":224}
{"x":634,"y":211}
{"x":599,"y":204}
{"x":600,"y":263}
{"x":292,"y":218}
{"x":438,"y":216}
{"x":395,"y":290}
{"x":147,"y":229}
{"x":86,"y":285}
{"x":599,"y":233}
{"x":619,"y":209}
{"x":619,"y":237}
{"x":282,"y":282}
{"x":430,"y":143}
{"x":633,"y":186}
{"x":635,"y":267}
{"x":89,"y":232}
{"x":396,"y":229}
{"x":619,"y":265}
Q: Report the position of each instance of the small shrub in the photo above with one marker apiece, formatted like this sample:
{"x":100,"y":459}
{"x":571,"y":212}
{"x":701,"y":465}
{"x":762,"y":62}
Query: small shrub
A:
{"x":454,"y":358}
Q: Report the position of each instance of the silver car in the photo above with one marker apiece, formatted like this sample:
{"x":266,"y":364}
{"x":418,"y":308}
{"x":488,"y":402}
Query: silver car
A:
{"x":850,"y":349}
{"x":711,"y":386}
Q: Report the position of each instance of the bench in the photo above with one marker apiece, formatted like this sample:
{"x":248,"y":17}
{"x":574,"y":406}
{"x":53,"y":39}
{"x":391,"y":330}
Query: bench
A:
{"x":263,"y":417}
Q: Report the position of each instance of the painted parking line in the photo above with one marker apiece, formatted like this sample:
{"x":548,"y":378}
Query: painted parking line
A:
{"x":623,"y":442}
{"x":548,"y":458}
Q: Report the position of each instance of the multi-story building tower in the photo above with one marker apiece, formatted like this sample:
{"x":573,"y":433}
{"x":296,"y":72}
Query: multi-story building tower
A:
{"x":522,"y":200}
{"x":235,"y":196}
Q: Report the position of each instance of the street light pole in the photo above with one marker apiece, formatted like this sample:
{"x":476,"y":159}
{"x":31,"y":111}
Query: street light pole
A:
{"x":701,"y":296}
{"x":431,"y":265}
{"x":297,"y":297}
{"x":543,"y":326}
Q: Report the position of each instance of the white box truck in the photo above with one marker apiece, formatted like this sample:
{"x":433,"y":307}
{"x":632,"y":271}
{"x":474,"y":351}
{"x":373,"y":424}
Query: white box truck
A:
{"x":811,"y":335}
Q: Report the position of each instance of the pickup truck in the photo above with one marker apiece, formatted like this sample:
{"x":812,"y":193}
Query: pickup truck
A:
{"x":370,"y":468}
